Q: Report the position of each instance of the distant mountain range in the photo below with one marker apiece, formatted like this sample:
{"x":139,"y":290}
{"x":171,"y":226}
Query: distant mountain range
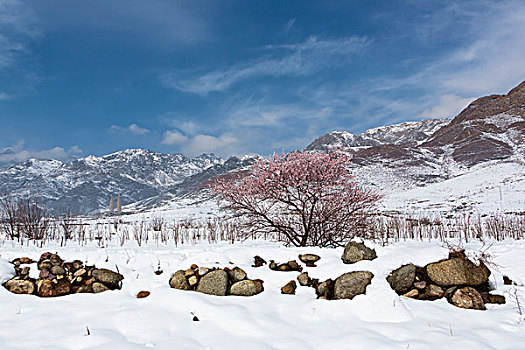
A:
{"x":390,"y":158}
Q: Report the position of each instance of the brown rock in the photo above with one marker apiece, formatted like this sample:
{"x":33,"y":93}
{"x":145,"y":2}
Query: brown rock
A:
{"x":420,"y":284}
{"x":143,"y":294}
{"x":26,"y":260}
{"x":414,"y":293}
{"x":189,"y":272}
{"x":47,"y":288}
{"x":289,"y":288}
{"x":355,"y":252}
{"x":309,"y":258}
{"x":246,"y":288}
{"x":193,"y":280}
{"x":99,"y":287}
{"x":258,"y":261}
{"x":467,"y":298}
{"x":325,"y":290}
{"x":110,"y":278}
{"x":433,"y":292}
{"x":179,"y":281}
{"x":19,"y":286}
{"x":493,"y":298}
{"x":304,"y":280}
{"x":237,"y":274}
{"x":214,"y":282}
{"x":194,"y":266}
{"x":348,"y":285}
{"x":80,"y":272}
{"x":457,"y":271}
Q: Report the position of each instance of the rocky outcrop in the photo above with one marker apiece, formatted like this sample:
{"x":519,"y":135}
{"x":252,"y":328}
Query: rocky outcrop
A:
{"x":355,"y":252}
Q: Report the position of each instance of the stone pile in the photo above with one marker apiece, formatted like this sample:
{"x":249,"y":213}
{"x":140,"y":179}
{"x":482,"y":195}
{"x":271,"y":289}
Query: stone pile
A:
{"x":216,"y":281}
{"x":462,"y":282}
{"x":58,"y":278}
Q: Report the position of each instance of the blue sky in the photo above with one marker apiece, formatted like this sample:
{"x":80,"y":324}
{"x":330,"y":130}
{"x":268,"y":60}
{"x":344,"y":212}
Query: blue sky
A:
{"x":236,"y":77}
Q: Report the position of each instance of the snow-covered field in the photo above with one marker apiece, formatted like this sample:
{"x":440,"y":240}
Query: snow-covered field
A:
{"x":487,"y":188}
{"x":378,"y":320}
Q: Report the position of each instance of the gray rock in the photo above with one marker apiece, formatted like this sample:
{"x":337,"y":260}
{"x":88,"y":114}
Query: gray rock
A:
{"x":309,"y":258}
{"x":57,"y":270}
{"x":214,"y":283}
{"x":110,"y":278}
{"x":304,"y":279}
{"x":457,"y":271}
{"x":99,"y":287}
{"x":401,"y":280}
{"x":350,"y":284}
{"x":355,"y":252}
{"x":20,"y":286}
{"x":245,"y":288}
{"x":237,"y":274}
{"x":179,"y":281}
{"x":467,"y":298}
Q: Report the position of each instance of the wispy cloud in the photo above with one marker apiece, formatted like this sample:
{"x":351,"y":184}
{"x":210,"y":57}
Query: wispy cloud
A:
{"x":132,"y":128}
{"x":302,"y":59}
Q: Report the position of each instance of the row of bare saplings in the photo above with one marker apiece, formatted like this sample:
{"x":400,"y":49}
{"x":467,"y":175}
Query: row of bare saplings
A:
{"x":26,"y":221}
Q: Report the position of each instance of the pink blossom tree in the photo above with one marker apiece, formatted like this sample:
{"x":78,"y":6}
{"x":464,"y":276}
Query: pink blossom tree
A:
{"x":304,"y":198}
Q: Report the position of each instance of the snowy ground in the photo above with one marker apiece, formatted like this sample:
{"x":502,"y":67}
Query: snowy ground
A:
{"x":487,"y":188}
{"x":378,"y":320}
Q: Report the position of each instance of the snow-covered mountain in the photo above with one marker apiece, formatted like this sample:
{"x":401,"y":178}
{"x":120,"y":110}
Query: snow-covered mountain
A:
{"x":397,"y":134}
{"x":85,"y":185}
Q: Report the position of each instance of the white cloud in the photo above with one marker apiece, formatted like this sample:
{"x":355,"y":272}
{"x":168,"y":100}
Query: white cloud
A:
{"x":173,"y":137}
{"x":3,"y":96}
{"x":225,"y":144}
{"x":448,"y":107}
{"x":18,"y":153}
{"x":133,"y":129}
{"x":198,"y":144}
{"x":300,"y":59}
